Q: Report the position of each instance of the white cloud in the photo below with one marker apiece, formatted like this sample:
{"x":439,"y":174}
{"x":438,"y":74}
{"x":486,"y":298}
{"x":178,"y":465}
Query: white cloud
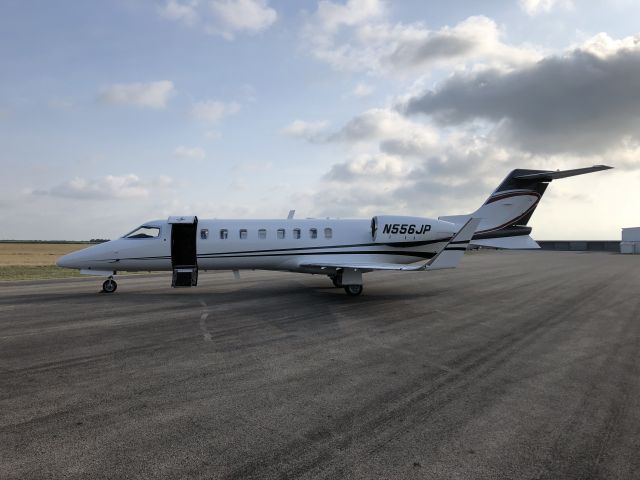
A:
{"x":185,"y":12}
{"x":190,"y":153}
{"x":310,"y":131}
{"x":147,"y":95}
{"x":583,"y":101}
{"x":374,"y":126}
{"x":374,"y":166}
{"x":383,"y":125}
{"x":453,"y":176}
{"x":603,"y":46}
{"x":535,"y":7}
{"x":128,"y":186}
{"x":331,"y":15}
{"x":363,"y":90}
{"x":476,"y":38}
{"x":212,"y":111}
{"x":238,"y":16}
{"x":364,"y":39}
{"x":221,"y":17}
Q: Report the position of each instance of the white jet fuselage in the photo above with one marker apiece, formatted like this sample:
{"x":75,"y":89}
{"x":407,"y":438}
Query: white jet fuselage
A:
{"x":270,"y":245}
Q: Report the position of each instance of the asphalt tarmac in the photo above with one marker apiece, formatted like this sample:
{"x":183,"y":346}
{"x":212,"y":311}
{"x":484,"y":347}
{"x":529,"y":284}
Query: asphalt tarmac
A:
{"x":515,"y":365}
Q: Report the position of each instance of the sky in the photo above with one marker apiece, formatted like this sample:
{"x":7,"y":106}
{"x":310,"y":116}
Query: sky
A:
{"x":116,"y":112}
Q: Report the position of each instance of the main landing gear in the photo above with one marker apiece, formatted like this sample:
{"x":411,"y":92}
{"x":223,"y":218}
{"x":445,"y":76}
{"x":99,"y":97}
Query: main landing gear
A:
{"x":352,"y":290}
{"x":109,"y":285}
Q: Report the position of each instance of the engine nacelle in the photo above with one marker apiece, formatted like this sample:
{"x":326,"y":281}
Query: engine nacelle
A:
{"x":393,"y":228}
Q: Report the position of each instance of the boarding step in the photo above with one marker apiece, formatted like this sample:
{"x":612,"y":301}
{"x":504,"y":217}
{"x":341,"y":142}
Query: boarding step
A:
{"x":185,"y":277}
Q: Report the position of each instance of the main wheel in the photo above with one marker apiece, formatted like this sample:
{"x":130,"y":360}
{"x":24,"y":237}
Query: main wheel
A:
{"x":337,"y":281}
{"x":109,"y":286}
{"x":353,"y":290}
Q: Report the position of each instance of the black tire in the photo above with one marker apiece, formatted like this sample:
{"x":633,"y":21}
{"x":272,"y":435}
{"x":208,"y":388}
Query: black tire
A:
{"x":336,"y":281}
{"x":109,"y":286}
{"x":353,"y":290}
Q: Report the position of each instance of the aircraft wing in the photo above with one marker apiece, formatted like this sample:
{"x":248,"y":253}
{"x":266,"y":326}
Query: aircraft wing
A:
{"x":447,"y":257}
{"x":450,"y":255}
{"x":364,"y":266}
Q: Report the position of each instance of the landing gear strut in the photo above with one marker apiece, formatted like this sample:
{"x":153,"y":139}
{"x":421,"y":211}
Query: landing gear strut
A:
{"x":109,"y":285}
{"x":353,"y":283}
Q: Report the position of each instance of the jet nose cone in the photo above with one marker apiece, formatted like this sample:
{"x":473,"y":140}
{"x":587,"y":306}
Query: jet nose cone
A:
{"x":64,"y":261}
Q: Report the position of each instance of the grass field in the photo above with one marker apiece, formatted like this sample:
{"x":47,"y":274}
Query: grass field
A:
{"x":33,"y":261}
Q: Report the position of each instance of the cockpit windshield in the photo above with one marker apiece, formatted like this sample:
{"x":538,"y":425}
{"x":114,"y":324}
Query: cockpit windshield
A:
{"x":145,"y":231}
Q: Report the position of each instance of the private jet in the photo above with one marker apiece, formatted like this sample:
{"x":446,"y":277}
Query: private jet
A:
{"x":342,"y":249}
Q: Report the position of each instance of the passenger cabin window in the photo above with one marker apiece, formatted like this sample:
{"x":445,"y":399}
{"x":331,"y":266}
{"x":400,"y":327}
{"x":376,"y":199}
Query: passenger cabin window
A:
{"x":224,"y":234}
{"x":243,"y":234}
{"x":328,"y":233}
{"x":313,"y":232}
{"x":280,"y":233}
{"x":262,"y":234}
{"x":296,"y":233}
{"x":204,"y":234}
{"x":144,"y":232}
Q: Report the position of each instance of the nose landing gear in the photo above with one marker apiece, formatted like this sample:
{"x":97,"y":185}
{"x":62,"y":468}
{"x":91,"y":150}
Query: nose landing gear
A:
{"x":109,"y":285}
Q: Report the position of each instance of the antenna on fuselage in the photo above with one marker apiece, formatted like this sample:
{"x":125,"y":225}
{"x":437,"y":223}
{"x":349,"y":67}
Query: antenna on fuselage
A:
{"x":291,"y":214}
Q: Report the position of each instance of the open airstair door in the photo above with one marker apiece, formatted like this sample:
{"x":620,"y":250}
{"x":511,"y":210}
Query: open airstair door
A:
{"x":184,"y":260}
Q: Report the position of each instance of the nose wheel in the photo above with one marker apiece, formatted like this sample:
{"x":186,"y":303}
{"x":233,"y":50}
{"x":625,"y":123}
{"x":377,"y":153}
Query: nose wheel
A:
{"x":109,"y":286}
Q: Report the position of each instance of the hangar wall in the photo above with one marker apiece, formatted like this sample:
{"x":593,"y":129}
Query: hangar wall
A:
{"x":580,"y":245}
{"x":630,"y":241}
{"x":630,"y":244}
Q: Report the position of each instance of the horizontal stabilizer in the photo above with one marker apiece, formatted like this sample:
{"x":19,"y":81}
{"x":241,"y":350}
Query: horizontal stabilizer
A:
{"x":521,"y":242}
{"x":554,"y":175}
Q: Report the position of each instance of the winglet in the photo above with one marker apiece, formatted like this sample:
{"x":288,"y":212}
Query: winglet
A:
{"x":450,"y":255}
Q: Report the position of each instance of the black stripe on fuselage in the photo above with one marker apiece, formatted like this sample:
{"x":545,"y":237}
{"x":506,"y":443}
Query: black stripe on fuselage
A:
{"x":300,"y":249}
{"x":352,"y":252}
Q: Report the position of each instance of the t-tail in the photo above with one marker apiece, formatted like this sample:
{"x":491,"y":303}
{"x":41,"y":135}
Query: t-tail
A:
{"x":507,"y":211}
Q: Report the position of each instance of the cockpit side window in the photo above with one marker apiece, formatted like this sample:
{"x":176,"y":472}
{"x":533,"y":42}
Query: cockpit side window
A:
{"x":144,"y":231}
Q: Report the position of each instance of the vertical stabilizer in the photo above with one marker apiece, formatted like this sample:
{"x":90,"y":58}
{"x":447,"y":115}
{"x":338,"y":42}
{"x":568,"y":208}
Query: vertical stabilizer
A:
{"x":506,"y":213}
